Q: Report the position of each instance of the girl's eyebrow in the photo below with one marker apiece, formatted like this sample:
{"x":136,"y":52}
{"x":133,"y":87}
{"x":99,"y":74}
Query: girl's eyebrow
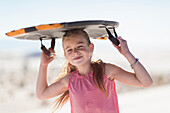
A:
{"x":80,"y":42}
{"x":77,"y":43}
{"x":67,"y":47}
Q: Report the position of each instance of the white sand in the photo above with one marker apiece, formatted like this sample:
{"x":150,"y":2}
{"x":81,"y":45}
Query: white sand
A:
{"x":18,"y":79}
{"x":151,"y":100}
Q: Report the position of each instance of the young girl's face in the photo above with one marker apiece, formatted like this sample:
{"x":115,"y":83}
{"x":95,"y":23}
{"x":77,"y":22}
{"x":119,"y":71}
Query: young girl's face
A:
{"x":77,"y":50}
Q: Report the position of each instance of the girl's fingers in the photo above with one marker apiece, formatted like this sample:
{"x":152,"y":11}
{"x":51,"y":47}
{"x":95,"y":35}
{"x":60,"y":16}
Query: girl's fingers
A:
{"x":120,"y":38}
{"x":117,"y":47}
{"x":51,"y":50}
{"x":53,"y":55}
{"x":114,"y":45}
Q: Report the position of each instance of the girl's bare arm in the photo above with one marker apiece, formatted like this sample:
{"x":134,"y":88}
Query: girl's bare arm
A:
{"x":43,"y":90}
{"x":140,"y":77}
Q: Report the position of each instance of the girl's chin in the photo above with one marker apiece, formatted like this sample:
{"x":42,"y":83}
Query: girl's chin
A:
{"x":78,"y":63}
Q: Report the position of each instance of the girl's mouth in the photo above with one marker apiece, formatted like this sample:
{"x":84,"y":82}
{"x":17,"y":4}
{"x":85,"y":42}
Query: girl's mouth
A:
{"x":76,"y":58}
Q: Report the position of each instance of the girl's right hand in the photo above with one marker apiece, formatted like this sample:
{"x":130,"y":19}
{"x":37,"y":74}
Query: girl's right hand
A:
{"x":123,"y":47}
{"x":45,"y":59}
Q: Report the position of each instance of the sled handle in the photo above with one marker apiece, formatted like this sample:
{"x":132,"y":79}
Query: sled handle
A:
{"x":113,"y":39}
{"x":45,"y":50}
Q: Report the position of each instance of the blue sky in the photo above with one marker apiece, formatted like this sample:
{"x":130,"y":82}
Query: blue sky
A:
{"x":143,"y":23}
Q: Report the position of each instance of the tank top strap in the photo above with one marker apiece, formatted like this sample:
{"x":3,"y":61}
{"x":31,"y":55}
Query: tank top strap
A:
{"x":72,"y":76}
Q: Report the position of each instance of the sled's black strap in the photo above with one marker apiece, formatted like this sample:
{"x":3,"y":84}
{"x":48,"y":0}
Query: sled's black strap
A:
{"x":45,"y":50}
{"x":53,"y":43}
{"x":113,"y":39}
{"x":115,"y":32}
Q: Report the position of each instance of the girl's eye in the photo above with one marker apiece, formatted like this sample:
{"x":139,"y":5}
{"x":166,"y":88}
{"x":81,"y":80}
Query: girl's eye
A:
{"x":80,"y":47}
{"x":69,"y":50}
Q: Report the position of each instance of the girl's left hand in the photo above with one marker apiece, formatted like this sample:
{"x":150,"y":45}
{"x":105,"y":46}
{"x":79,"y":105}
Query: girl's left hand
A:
{"x":122,"y":47}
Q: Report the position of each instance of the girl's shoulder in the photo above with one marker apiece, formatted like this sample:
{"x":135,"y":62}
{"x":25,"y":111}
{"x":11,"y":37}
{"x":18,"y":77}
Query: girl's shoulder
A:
{"x":65,"y":79}
{"x":109,"y":70}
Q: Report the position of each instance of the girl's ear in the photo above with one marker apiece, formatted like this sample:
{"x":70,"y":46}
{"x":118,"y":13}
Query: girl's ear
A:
{"x":91,"y":47}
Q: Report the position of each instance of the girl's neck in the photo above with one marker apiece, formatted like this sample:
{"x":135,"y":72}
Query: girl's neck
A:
{"x":85,"y":69}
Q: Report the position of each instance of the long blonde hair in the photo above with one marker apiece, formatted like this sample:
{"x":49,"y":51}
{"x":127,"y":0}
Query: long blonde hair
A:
{"x":97,"y":66}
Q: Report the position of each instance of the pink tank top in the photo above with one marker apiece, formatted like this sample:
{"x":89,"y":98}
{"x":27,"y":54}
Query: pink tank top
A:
{"x":85,"y":97}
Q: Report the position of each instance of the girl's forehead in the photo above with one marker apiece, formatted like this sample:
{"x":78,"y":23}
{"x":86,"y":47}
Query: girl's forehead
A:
{"x":73,"y":37}
{"x":73,"y":41}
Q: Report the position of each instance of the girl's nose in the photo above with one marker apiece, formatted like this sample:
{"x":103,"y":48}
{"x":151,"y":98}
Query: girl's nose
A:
{"x":75,"y":51}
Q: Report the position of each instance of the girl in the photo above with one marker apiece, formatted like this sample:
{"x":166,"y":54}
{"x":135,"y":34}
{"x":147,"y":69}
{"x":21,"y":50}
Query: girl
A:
{"x":90,"y":85}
